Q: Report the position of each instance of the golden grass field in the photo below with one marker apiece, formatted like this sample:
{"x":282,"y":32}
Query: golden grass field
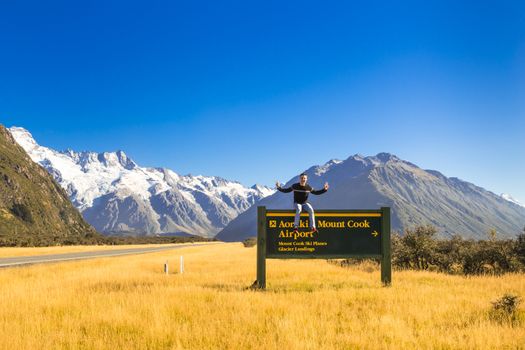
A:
{"x":129,"y":303}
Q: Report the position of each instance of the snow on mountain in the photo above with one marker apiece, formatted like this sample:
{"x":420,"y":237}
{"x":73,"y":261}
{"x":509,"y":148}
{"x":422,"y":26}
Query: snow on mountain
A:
{"x":511,"y":199}
{"x":114,"y":194}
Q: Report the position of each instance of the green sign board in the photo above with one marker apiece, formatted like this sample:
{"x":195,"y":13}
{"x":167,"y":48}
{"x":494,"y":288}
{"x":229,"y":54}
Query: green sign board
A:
{"x":341,"y":234}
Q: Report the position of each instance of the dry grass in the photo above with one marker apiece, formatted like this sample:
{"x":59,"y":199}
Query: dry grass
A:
{"x":129,"y":303}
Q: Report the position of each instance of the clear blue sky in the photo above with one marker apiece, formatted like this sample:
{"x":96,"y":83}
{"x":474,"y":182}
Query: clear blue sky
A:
{"x":259,"y":91}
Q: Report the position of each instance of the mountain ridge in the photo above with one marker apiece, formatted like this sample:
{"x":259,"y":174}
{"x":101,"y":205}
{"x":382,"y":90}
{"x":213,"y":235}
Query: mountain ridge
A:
{"x":116,"y":195}
{"x":416,"y":196}
{"x":34,"y":209}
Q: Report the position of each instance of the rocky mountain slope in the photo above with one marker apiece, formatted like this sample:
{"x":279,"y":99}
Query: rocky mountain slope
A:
{"x":116,"y":195}
{"x":34,"y":209}
{"x":416,"y":196}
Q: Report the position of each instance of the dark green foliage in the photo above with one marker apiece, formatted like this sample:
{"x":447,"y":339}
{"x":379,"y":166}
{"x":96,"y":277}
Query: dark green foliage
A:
{"x":23,"y":212}
{"x":416,"y":248}
{"x":449,"y":253}
{"x":495,"y":257}
{"x":419,"y":249}
{"x":250,"y":242}
{"x":519,"y":249}
{"x":155,"y":239}
{"x":505,"y":309}
{"x":94,"y":239}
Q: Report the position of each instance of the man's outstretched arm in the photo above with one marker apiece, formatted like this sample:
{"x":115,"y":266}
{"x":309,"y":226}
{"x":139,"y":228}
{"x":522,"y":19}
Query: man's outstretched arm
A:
{"x":325,"y":188}
{"x":280,"y":189}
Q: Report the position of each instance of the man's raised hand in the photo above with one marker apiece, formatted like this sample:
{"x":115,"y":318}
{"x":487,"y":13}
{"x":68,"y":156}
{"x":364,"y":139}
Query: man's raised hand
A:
{"x":277,"y":184}
{"x":326,"y":187}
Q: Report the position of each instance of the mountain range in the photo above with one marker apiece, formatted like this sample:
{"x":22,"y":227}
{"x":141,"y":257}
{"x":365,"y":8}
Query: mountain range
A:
{"x":117,"y":196}
{"x":416,"y":196}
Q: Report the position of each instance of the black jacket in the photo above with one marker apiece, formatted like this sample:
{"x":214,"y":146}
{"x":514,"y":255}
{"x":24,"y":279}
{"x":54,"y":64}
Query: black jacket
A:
{"x":300,"y":193}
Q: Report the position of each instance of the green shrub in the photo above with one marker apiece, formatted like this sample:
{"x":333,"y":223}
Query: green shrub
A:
{"x":505,"y":309}
{"x":490,"y":257}
{"x":23,"y":212}
{"x":415,"y":249}
{"x":519,"y":249}
{"x":419,"y":249}
{"x":249,"y":242}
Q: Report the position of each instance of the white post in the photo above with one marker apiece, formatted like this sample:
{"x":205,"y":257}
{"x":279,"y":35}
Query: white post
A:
{"x":166,"y":269}
{"x":181,"y":264}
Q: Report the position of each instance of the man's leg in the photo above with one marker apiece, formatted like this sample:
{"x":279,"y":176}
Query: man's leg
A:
{"x":298,"y":209}
{"x":310,"y":211}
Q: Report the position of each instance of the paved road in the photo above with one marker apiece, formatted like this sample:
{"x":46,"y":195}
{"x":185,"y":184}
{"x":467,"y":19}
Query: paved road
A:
{"x":38,"y":259}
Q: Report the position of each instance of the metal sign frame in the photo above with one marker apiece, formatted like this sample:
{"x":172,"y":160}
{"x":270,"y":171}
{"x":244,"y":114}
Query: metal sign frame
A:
{"x":384,"y":256}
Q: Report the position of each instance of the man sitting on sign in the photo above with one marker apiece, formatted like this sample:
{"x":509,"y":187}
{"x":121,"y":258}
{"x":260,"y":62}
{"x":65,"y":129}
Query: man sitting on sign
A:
{"x":300,"y":197}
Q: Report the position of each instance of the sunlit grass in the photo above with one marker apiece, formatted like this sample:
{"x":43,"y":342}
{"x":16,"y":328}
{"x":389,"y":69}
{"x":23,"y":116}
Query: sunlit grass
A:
{"x":128,"y":302}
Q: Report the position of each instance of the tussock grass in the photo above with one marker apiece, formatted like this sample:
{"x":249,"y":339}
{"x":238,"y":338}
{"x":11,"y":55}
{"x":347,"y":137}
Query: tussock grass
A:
{"x":129,"y":303}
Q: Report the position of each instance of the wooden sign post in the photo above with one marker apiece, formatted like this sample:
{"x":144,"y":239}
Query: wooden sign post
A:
{"x":341,"y":234}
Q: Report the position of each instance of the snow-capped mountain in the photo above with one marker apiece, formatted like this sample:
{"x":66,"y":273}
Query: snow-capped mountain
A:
{"x":511,"y":199}
{"x":114,"y":194}
{"x":416,"y":196}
